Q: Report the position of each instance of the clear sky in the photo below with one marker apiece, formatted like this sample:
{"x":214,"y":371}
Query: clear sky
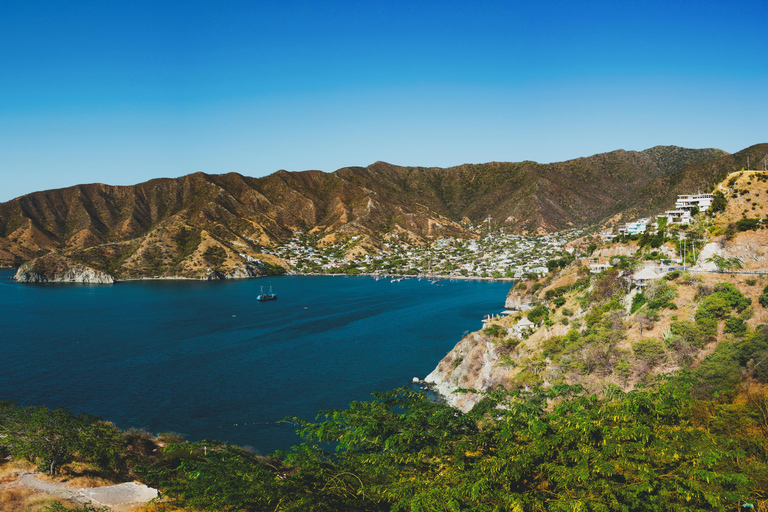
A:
{"x":120,"y":92}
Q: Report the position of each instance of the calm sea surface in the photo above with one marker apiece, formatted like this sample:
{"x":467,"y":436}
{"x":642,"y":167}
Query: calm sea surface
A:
{"x":206,"y":360}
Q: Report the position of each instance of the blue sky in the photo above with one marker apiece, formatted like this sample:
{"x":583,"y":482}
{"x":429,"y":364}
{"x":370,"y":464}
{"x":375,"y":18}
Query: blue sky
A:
{"x":122,"y":92}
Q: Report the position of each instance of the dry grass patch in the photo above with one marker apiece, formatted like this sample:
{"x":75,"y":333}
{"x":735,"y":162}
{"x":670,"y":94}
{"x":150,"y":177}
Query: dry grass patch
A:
{"x":23,"y":499}
{"x":9,"y":472}
{"x":163,"y":507}
{"x":15,"y":498}
{"x":79,"y":482}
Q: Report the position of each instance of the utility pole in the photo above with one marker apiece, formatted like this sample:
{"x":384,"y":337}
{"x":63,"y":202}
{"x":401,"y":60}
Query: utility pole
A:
{"x":694,"y":251}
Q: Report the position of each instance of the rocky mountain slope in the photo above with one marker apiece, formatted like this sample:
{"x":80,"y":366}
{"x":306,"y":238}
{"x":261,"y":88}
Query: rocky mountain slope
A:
{"x":602,"y":332}
{"x":199,"y":224}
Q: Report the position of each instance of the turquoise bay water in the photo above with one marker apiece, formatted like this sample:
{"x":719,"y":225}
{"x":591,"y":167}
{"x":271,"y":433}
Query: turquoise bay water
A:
{"x":206,"y":360}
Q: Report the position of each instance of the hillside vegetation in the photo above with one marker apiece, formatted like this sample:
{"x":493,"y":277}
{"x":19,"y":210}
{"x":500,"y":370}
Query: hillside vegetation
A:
{"x":689,"y":443}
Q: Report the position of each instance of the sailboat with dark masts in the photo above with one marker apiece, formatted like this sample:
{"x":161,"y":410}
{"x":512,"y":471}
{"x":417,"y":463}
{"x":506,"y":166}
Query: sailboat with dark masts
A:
{"x":261,"y":297}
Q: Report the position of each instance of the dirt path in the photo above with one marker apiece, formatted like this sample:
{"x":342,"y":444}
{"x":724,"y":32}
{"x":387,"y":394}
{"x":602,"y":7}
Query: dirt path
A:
{"x":119,"y":498}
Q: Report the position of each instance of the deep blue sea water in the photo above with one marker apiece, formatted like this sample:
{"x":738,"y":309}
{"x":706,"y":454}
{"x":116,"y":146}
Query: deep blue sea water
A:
{"x":206,"y":360}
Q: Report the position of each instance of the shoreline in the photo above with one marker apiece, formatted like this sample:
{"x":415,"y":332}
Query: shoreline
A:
{"x":411,"y":276}
{"x":299,"y":274}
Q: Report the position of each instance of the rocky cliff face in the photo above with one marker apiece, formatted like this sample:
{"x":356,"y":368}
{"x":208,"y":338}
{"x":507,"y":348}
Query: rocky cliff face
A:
{"x":518,"y":299}
{"x":240,"y":272}
{"x":474,"y":363}
{"x":749,"y":247}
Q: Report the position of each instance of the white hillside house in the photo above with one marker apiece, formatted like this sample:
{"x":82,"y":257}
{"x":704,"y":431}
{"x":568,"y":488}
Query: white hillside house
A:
{"x":681,"y":215}
{"x":634,"y":228}
{"x":688,"y":202}
{"x":642,"y":277}
{"x":678,"y":217}
{"x":521,"y":327}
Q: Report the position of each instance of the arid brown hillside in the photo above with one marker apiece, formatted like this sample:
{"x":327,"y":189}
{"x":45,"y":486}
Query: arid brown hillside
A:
{"x":165,"y":226}
{"x":528,"y":196}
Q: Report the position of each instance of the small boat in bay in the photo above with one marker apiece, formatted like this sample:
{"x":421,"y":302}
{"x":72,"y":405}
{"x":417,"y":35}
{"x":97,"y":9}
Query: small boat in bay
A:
{"x":261,"y":297}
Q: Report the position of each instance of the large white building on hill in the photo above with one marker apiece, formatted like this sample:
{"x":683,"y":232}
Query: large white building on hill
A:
{"x":688,"y":202}
{"x":681,"y":215}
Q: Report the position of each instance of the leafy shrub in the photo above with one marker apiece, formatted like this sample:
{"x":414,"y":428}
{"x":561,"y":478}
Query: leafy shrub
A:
{"x":659,"y":294}
{"x":538,"y":313}
{"x":638,"y":300}
{"x":763,"y":299}
{"x":495,"y":331}
{"x":553,"y":265}
{"x":593,"y":317}
{"x":649,"y":350}
{"x":691,"y":333}
{"x":719,"y":202}
{"x":557,"y":344}
{"x":624,"y":370}
{"x":613,"y":305}
{"x":708,"y":328}
{"x":735,"y":326}
{"x":661,"y":303}
{"x":713,"y":306}
{"x":721,"y":370}
{"x":747,"y":224}
{"x":566,"y":312}
{"x":732,"y":295}
{"x":560,"y":301}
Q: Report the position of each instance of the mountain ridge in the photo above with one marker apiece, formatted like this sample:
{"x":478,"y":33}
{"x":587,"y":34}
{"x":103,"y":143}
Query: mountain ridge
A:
{"x":240,"y":212}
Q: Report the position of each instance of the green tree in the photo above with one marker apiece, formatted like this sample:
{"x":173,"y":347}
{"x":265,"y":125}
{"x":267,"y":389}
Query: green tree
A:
{"x":725,"y":264}
{"x":209,"y":475}
{"x":763,"y":299}
{"x":718,"y":203}
{"x":53,"y":437}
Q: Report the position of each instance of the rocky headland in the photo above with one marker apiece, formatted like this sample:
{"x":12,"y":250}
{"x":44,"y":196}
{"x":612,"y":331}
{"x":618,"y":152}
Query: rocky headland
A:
{"x":55,"y":268}
{"x":567,"y":305}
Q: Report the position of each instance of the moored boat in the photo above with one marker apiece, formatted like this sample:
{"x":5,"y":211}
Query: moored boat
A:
{"x":261,"y":297}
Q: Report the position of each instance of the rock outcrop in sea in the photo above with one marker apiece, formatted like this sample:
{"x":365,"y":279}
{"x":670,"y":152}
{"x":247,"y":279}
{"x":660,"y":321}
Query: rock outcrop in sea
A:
{"x":54,"y":268}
